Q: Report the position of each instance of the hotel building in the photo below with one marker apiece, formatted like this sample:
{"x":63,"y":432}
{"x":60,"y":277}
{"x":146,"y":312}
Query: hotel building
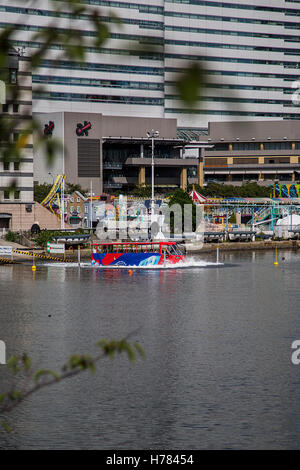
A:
{"x":249,"y":50}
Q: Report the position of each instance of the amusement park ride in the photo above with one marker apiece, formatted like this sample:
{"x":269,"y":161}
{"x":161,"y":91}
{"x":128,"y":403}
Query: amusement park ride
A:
{"x":53,"y":200}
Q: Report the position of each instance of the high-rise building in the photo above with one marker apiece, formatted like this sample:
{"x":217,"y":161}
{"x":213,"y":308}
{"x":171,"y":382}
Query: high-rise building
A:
{"x":249,"y":49}
{"x":16,"y":174}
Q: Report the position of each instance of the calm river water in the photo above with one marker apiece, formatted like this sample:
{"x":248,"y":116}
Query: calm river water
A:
{"x":217,"y":372}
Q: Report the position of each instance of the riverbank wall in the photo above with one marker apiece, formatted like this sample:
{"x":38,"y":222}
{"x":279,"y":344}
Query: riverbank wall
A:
{"x":248,"y":246}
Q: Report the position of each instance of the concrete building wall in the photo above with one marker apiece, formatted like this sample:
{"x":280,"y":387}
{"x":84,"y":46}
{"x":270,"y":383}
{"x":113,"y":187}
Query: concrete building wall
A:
{"x":71,"y":148}
{"x":66,"y":160}
{"x":261,"y":131}
{"x":45,"y":171}
{"x":253,"y":151}
{"x":135,"y":127}
{"x":23,"y":219}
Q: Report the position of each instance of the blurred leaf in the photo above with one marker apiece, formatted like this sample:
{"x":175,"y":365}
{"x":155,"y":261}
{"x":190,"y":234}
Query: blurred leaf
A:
{"x":139,"y":349}
{"x":75,"y":52}
{"x":23,"y":141}
{"x":6,"y":426}
{"x":26,"y":361}
{"x":12,"y":364}
{"x":5,"y":45}
{"x":15,"y":395}
{"x":191,"y":84}
{"x":43,"y":372}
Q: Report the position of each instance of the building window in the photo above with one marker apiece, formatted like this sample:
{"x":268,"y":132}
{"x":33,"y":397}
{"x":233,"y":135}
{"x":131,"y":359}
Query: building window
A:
{"x":16,"y":166}
{"x":5,"y":108}
{"x":13,"y":76}
{"x":245,"y":160}
{"x":277,"y":160}
{"x":78,"y":199}
{"x":71,"y":199}
{"x":246,"y":146}
{"x":213,"y":162}
{"x":88,"y":163}
{"x":71,"y":209}
{"x":6,"y":166}
{"x":15,"y":108}
{"x":220,"y":147}
{"x":78,"y":209}
{"x":17,"y":195}
{"x":6,"y":194}
{"x":277,"y":145}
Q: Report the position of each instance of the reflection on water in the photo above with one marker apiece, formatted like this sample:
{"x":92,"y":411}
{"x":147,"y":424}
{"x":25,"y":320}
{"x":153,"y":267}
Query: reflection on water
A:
{"x":218,"y":341}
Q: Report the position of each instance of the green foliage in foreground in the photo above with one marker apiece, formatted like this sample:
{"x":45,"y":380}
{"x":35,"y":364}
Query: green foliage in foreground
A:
{"x":76,"y":364}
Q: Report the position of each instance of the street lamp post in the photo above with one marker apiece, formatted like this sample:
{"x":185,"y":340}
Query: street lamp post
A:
{"x":152,"y":135}
{"x":49,"y":173}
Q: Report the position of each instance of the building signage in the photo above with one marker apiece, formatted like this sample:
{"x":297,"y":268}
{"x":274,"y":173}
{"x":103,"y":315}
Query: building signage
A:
{"x":55,"y":248}
{"x":83,"y":129}
{"x":49,"y":128}
{"x":6,"y":250}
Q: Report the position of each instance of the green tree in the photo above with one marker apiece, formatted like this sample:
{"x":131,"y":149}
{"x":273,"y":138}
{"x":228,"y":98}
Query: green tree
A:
{"x":71,"y":188}
{"x":226,"y":190}
{"x":182,"y":198}
{"x":41,"y":191}
{"x":142,"y":191}
{"x":232,"y":218}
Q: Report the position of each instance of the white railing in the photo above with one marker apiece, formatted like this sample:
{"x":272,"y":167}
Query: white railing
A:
{"x":3,"y":232}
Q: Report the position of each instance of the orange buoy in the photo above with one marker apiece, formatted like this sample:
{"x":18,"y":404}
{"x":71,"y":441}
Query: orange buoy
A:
{"x":130,"y":272}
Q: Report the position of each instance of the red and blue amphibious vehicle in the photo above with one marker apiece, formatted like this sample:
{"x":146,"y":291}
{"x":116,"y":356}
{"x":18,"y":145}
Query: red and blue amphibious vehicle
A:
{"x":136,"y":254}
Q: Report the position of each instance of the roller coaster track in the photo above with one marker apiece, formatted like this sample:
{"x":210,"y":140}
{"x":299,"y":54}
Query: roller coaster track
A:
{"x":54,"y":194}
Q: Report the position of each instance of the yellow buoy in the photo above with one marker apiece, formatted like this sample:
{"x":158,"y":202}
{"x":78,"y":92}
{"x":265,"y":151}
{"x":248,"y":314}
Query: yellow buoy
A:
{"x":276,"y":262}
{"x":33,"y":267}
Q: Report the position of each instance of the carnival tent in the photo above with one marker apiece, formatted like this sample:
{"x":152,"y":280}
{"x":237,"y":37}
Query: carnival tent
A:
{"x":197,"y":197}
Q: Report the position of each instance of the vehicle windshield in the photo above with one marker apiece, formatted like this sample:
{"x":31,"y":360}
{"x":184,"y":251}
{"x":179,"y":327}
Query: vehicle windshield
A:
{"x":173,"y":250}
{"x":177,"y":250}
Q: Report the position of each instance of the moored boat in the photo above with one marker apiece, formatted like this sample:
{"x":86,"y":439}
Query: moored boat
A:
{"x":136,"y":254}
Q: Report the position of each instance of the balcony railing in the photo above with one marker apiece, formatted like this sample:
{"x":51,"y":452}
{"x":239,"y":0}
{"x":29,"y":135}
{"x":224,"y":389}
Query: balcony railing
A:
{"x":112,"y":166}
{"x":164,"y":155}
{"x":112,"y":185}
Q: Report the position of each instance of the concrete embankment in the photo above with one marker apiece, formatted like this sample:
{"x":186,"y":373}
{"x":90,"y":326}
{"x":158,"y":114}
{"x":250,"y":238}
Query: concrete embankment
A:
{"x":249,"y":246}
{"x":85,"y":255}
